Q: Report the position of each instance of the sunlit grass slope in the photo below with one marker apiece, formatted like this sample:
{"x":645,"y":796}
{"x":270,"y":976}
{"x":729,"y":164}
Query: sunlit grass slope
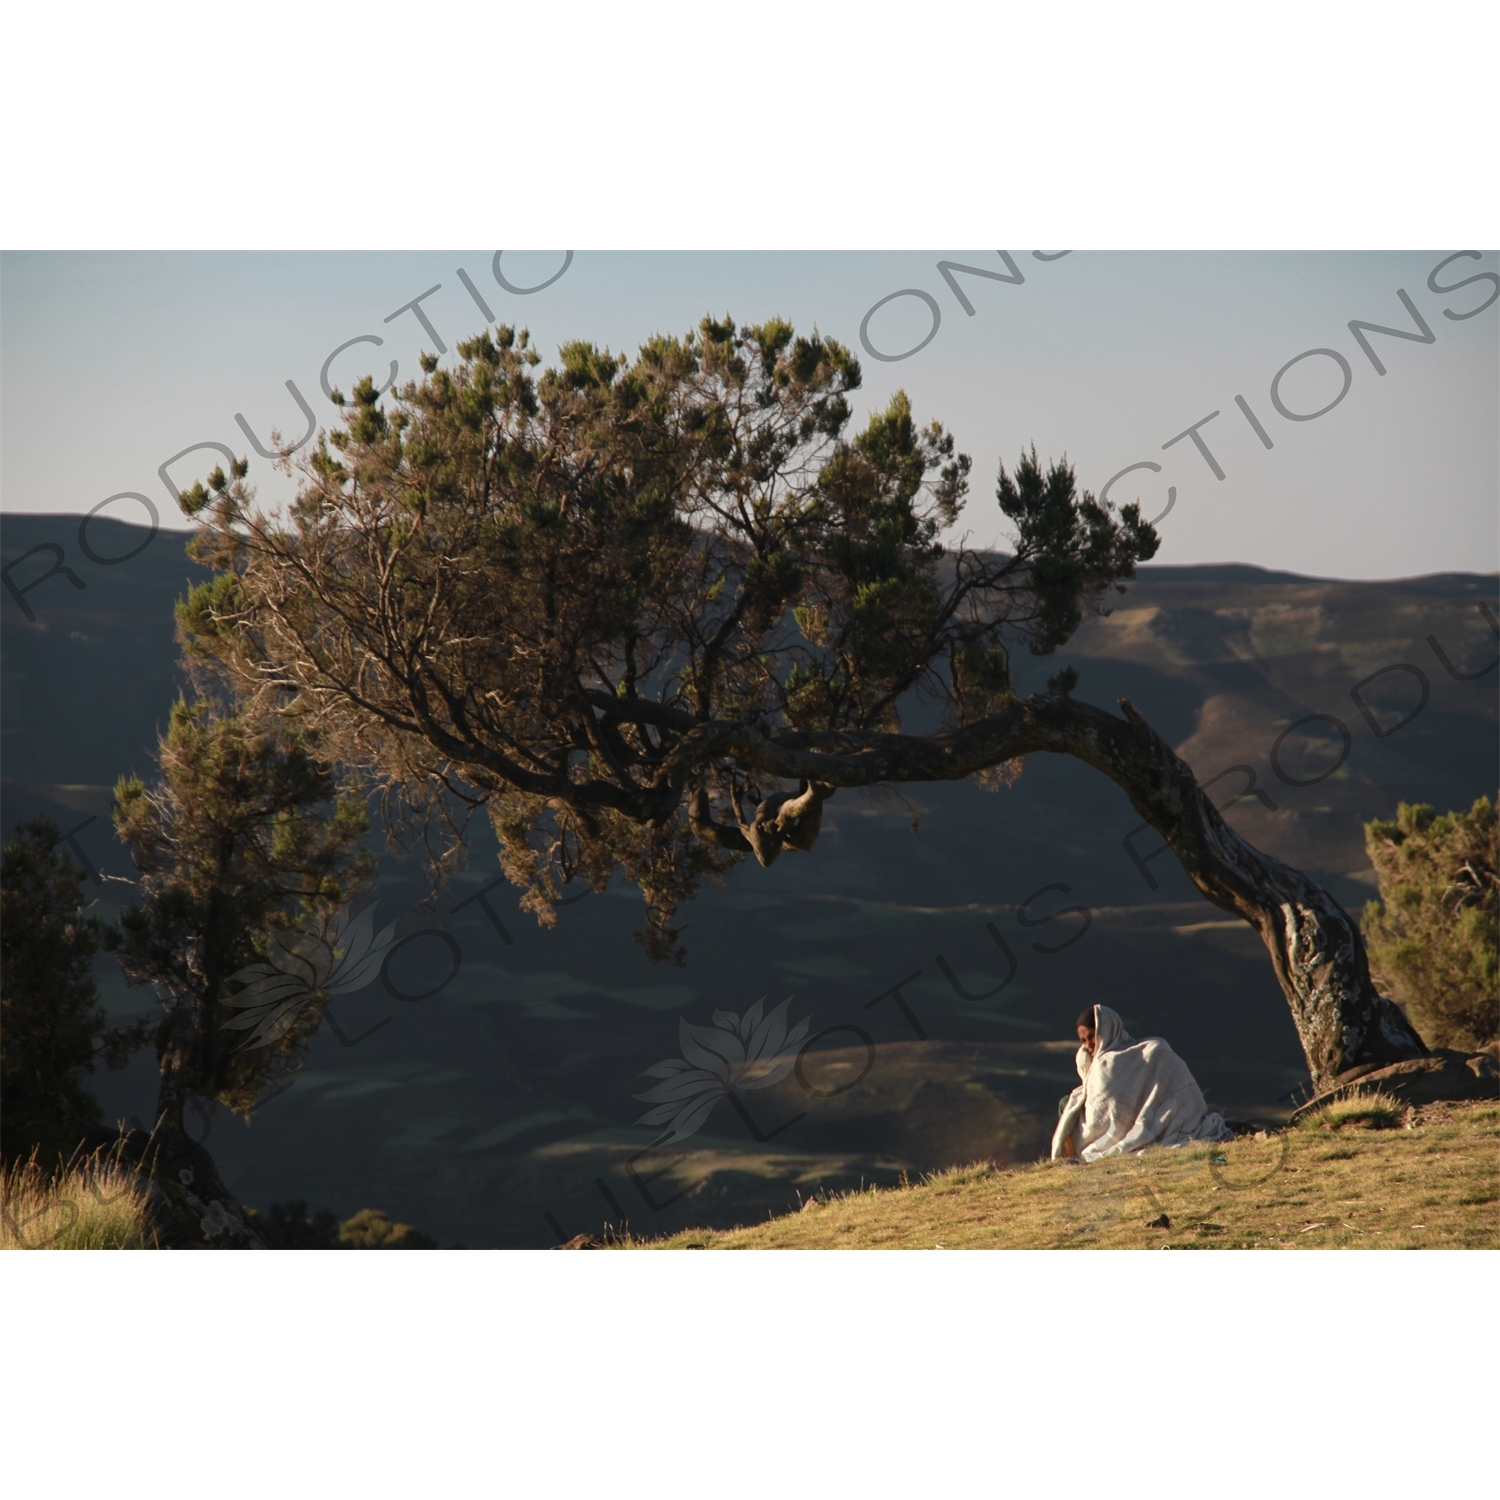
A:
{"x":1368,"y":1173}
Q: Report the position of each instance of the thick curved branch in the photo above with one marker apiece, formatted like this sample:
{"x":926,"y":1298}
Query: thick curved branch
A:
{"x":720,"y":835}
{"x":1316,"y":947}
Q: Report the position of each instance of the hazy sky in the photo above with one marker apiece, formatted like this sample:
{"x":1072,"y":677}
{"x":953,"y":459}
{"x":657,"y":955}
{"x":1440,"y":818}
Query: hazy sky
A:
{"x":112,"y":363}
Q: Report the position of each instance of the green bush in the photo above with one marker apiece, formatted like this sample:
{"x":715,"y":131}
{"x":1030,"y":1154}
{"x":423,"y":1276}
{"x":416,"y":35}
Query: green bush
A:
{"x":1434,"y":936}
{"x":52,"y":1027}
{"x":370,"y":1229}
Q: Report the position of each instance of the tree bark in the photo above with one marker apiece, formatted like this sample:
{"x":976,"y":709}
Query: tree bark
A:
{"x":204,"y":1211}
{"x":1345,"y":1027}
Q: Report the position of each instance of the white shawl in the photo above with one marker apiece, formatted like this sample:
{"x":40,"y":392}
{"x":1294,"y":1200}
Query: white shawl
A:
{"x":1133,"y":1095}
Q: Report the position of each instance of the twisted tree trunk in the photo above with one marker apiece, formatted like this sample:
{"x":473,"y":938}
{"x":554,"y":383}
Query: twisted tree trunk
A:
{"x":201,"y":1205}
{"x":192,"y":1207}
{"x":1345,"y":1027}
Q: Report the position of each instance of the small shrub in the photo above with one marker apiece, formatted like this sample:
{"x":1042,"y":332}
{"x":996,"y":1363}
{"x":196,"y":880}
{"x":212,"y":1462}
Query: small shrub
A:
{"x":370,"y":1229}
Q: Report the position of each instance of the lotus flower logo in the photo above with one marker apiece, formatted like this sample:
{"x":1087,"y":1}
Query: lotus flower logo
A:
{"x":342,"y":957}
{"x":717,"y":1062}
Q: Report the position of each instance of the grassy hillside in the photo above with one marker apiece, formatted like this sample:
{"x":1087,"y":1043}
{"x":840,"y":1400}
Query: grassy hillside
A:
{"x":1367,"y":1174}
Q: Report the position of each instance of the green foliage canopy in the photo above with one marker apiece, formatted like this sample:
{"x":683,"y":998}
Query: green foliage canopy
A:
{"x":243,"y":837}
{"x":1434,"y":936}
{"x":580,"y":598}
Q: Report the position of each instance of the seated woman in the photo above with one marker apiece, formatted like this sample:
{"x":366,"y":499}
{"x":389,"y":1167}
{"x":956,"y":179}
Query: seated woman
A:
{"x":1133,"y":1095}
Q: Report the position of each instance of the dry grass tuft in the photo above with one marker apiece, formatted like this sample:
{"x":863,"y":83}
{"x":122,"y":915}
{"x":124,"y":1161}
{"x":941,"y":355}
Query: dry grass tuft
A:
{"x":1372,"y":1111}
{"x":92,"y":1205}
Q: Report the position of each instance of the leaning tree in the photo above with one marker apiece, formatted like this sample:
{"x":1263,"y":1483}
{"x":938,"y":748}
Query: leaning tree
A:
{"x":650,"y":615}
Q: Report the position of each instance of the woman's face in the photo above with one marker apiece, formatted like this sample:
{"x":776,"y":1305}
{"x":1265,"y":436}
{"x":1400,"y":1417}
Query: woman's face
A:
{"x":1087,"y":1039}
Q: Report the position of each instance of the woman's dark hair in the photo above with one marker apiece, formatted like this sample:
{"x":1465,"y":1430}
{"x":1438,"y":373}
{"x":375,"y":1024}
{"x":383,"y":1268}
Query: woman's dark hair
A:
{"x":1086,"y":1017}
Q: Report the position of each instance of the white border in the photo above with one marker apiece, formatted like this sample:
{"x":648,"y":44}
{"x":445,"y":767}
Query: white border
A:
{"x":1292,"y":123}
